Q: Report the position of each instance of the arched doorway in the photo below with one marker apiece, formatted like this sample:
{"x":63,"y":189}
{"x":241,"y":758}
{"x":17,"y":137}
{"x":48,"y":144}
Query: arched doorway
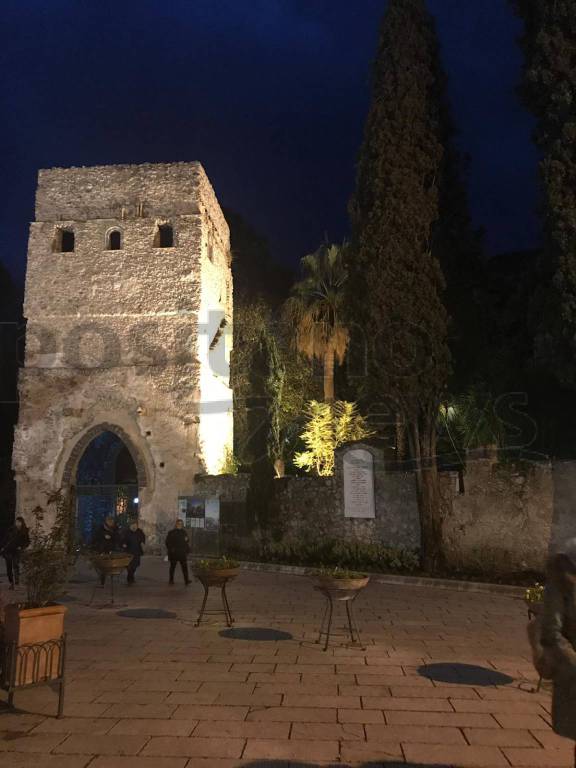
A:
{"x":107,"y":484}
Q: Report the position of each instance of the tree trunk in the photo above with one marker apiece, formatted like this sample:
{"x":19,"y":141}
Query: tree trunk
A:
{"x":329,"y":376}
{"x":430,"y":505}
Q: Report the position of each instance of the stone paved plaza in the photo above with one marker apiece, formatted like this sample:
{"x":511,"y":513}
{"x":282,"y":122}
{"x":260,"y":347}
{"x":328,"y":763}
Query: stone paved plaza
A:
{"x":161,"y":693}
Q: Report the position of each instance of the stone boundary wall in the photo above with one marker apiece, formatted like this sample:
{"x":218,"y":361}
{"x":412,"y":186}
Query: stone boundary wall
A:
{"x":313,"y":507}
{"x":500,"y":517}
{"x":502,"y":521}
{"x":228,"y":488}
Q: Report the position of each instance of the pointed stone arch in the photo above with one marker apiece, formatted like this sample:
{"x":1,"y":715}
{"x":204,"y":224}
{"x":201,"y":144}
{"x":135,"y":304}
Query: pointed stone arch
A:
{"x":81,"y":445}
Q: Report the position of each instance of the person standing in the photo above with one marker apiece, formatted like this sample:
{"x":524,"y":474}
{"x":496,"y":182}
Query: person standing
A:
{"x":132,"y":543}
{"x":177,"y":544}
{"x":17,"y":539}
{"x":106,"y":540}
{"x":559,"y":639}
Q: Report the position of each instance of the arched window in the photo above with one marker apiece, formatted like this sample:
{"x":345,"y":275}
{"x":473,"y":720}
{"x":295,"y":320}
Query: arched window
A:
{"x":64,"y":241}
{"x":164,"y":236}
{"x":114,"y":240}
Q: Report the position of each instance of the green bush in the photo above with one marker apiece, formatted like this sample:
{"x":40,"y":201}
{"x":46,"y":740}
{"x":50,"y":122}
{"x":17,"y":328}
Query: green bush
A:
{"x":330,"y":553}
{"x":48,"y":561}
{"x":216,"y":563}
{"x":337,"y":573}
{"x":328,"y":426}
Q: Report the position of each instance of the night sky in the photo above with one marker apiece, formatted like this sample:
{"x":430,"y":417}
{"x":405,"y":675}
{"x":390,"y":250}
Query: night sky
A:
{"x":270,"y":95}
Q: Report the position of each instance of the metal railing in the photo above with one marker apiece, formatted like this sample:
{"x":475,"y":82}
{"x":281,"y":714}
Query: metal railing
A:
{"x":32,"y":665}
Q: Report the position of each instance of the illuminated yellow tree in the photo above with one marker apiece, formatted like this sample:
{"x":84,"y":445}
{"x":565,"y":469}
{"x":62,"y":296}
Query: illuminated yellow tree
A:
{"x":328,"y":426}
{"x":315,"y":309}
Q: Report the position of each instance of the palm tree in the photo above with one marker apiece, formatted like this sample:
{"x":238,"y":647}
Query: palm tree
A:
{"x":315,"y":307}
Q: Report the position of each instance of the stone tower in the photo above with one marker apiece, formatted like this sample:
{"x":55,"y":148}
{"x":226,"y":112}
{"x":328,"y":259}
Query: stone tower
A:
{"x":129,"y":318}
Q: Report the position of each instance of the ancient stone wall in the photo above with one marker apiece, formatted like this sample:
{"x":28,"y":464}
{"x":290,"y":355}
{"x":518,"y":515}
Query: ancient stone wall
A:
{"x":228,"y":488}
{"x":118,"y":192}
{"x":500,"y":517}
{"x":563,"y":503}
{"x":313,"y":507}
{"x":121,"y":337}
{"x":502,"y":521}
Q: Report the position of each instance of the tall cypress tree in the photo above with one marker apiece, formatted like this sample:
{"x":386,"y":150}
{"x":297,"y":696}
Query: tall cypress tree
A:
{"x":549,"y":90}
{"x":395,"y":274}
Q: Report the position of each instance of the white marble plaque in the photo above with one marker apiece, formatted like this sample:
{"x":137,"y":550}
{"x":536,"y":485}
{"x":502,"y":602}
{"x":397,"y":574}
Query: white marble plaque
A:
{"x":359,"y":483}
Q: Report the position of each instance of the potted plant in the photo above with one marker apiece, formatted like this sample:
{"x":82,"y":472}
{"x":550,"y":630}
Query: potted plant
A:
{"x":109,"y":563}
{"x":339,"y":579}
{"x":105,"y":555}
{"x":46,"y":567}
{"x":534,"y":598}
{"x":214,"y":571}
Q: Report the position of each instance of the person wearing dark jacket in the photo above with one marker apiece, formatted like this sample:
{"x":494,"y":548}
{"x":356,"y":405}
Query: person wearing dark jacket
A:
{"x":178,"y":548}
{"x":132,"y":542}
{"x":16,"y":541}
{"x":106,"y":540}
{"x":559,"y":638}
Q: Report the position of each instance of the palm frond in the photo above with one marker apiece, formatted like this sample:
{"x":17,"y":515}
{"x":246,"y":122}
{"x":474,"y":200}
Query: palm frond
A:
{"x":315,"y":305}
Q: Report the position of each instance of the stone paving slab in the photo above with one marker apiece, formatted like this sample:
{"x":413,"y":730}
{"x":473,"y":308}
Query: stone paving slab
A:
{"x":161,"y":693}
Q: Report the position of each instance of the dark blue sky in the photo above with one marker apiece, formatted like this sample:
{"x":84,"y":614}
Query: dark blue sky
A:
{"x":270,"y":95}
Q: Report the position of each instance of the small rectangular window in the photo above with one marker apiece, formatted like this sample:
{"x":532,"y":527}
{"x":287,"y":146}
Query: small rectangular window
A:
{"x":66,"y":241}
{"x":165,"y":236}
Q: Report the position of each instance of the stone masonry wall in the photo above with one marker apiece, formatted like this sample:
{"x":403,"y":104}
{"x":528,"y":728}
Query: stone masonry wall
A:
{"x":121,"y":192}
{"x":503,"y":520}
{"x":228,"y":488}
{"x":506,"y":518}
{"x":115,"y":336}
{"x":564,"y":503}
{"x":313,"y":507}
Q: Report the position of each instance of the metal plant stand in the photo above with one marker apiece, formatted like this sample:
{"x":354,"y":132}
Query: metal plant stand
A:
{"x":109,"y":567}
{"x":534,"y":613}
{"x":208,"y":580}
{"x":111,"y":577}
{"x":339,"y":596}
{"x":32,"y":665}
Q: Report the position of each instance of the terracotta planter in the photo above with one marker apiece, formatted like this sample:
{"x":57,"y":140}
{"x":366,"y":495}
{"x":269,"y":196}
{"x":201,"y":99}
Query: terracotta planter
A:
{"x":341,"y":585}
{"x":30,"y":626}
{"x":213,"y":577}
{"x":110,"y":565}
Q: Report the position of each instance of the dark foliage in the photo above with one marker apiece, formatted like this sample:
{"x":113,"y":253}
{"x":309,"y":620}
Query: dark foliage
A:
{"x":549,"y":91}
{"x":256,"y":274}
{"x":10,"y":332}
{"x":396,"y":280}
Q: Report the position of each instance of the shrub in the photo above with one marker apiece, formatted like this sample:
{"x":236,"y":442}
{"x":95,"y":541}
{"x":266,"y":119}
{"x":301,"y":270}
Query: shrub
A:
{"x":328,"y":426}
{"x":216,"y":563}
{"x":337,"y":573}
{"x":49,"y":558}
{"x":230,"y":464}
{"x":330,"y":553}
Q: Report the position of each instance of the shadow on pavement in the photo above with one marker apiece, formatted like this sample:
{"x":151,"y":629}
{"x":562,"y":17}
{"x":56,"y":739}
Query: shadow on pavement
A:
{"x":255,"y":633}
{"x":370,"y":764}
{"x":146,"y":613}
{"x":465,"y":674}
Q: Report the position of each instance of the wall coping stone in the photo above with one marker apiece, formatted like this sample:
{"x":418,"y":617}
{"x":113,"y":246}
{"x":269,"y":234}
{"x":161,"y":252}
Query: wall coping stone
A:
{"x":507,"y":590}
